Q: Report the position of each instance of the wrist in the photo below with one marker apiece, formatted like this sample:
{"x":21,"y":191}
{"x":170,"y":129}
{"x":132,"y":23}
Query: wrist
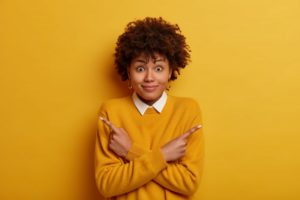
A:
{"x":164,"y":154}
{"x":127,"y":148}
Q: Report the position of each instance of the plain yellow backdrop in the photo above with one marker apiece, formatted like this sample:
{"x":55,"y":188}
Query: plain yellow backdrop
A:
{"x":56,"y":67}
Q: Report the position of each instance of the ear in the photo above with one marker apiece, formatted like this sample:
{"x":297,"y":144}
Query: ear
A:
{"x":170,"y":74}
{"x":128,"y":73}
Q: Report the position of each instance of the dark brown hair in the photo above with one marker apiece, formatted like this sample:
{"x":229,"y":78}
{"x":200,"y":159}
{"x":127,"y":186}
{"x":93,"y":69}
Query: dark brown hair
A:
{"x":149,"y":36}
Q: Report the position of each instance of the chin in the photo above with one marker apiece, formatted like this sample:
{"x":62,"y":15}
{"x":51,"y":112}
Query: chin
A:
{"x":149,"y":97}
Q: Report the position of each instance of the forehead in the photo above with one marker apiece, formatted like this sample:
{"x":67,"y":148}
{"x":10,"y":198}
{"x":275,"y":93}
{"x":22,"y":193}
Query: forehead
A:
{"x":147,"y":57}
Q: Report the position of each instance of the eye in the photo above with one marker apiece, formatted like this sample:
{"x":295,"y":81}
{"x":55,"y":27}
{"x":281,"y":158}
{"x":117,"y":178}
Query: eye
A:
{"x":158,"y":68}
{"x":140,"y":69}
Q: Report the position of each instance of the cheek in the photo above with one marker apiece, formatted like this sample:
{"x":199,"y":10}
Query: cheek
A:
{"x":136,"y":80}
{"x":164,"y":79}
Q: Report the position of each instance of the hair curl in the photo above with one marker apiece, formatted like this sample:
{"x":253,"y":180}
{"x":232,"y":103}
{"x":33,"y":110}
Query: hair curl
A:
{"x":149,"y":36}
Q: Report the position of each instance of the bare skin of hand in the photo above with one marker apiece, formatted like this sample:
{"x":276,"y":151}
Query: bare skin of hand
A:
{"x":176,"y":148}
{"x":119,"y":140}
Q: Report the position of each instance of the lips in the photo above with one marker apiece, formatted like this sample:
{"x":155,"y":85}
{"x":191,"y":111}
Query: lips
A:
{"x":149,"y":88}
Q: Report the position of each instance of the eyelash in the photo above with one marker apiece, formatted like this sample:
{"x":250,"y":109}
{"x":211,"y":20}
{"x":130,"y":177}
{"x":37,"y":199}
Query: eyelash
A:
{"x":161,"y":68}
{"x":139,"y":67}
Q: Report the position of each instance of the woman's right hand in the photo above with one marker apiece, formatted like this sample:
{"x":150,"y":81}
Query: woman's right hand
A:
{"x":175,"y":149}
{"x":119,"y":140}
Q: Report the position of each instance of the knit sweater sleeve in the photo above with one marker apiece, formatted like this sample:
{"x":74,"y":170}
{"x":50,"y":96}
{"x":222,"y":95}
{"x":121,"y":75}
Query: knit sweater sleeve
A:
{"x":113,"y":176}
{"x":182,"y":176}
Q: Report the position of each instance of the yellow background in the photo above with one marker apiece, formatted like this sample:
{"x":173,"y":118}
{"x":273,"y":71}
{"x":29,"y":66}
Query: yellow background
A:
{"x":57,"y":67}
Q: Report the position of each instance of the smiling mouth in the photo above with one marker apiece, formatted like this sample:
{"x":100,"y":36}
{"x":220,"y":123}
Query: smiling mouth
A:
{"x":149,"y":88}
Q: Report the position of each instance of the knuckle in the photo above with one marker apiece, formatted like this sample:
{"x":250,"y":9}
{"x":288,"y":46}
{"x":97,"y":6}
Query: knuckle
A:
{"x":183,"y":150}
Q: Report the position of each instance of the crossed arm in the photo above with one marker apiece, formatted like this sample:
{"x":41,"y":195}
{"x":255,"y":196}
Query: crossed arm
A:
{"x":176,"y":166}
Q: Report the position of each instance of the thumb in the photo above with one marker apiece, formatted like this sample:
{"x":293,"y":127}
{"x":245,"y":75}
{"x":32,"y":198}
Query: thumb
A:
{"x":123,"y":131}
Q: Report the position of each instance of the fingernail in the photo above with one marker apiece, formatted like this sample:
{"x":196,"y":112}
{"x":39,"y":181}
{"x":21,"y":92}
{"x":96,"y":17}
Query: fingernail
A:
{"x":199,"y":126}
{"x":101,"y":118}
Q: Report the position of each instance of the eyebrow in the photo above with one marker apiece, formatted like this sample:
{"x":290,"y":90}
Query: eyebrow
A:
{"x":140,"y":60}
{"x":145,"y":61}
{"x":158,"y":60}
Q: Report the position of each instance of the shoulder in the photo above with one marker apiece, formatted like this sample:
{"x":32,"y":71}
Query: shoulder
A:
{"x":185,"y":102}
{"x":115,"y":103}
{"x":185,"y":106}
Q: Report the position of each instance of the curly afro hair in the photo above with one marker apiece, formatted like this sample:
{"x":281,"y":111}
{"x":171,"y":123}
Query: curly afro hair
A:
{"x":150,"y":36}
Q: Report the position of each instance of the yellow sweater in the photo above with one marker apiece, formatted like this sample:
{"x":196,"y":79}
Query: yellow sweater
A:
{"x":145,"y":175}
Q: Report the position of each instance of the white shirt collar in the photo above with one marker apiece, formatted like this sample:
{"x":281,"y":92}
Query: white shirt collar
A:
{"x":142,"y":107}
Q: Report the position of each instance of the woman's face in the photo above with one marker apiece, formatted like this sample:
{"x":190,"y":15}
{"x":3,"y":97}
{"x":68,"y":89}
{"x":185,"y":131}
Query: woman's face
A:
{"x":149,"y":76}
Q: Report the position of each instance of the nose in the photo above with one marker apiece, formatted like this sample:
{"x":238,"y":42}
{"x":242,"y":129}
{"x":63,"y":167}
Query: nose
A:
{"x":149,"y":76}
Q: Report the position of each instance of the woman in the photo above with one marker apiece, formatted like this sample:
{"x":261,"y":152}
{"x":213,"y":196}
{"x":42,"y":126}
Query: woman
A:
{"x":149,"y":145}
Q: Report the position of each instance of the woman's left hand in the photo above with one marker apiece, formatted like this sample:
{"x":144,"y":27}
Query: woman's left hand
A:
{"x":119,"y":140}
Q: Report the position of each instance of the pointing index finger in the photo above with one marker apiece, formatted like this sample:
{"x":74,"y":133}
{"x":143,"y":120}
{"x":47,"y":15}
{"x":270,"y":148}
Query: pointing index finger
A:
{"x":108,"y":123}
{"x":192,"y":130}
